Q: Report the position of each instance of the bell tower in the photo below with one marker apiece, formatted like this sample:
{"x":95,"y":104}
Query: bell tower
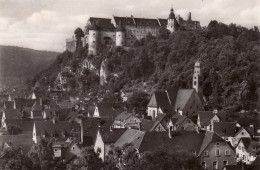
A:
{"x":196,"y":77}
{"x":171,"y":21}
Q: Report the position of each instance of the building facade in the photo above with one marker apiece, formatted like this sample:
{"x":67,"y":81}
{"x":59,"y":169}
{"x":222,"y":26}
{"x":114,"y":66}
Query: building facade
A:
{"x":124,"y":31}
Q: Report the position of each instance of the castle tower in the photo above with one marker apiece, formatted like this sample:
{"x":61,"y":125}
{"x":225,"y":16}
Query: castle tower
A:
{"x":171,"y":21}
{"x":196,"y":77}
{"x":120,"y":36}
{"x":189,"y":16}
{"x":93,"y":39}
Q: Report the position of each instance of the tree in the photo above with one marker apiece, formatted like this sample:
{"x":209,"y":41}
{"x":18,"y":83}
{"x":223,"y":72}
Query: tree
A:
{"x":90,"y":159}
{"x":139,"y":101}
{"x":41,"y":155}
{"x":13,"y":129}
{"x":164,"y":33}
{"x":78,"y":34}
{"x":12,"y":158}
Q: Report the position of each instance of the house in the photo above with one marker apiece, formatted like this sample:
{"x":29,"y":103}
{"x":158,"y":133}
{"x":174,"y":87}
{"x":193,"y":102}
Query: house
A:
{"x":243,"y":132}
{"x":110,"y":110}
{"x":24,"y":124}
{"x":126,"y":120}
{"x":181,"y":101}
{"x":21,"y":103}
{"x":206,"y":118}
{"x":181,"y":123}
{"x":151,"y":125}
{"x":105,"y":139}
{"x":162,"y":141}
{"x":226,"y":130}
{"x":215,"y":153}
{"x":51,"y":129}
{"x":247,"y":150}
{"x":9,"y":114}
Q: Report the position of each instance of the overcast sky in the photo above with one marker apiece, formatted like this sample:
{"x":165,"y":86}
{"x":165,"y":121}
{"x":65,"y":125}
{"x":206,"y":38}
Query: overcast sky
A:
{"x":45,"y":24}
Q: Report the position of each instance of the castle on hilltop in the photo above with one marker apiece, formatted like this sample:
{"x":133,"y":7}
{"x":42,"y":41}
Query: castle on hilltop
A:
{"x":124,"y":31}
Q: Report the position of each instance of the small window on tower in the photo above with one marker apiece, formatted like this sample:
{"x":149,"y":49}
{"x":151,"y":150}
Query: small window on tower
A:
{"x":94,"y":42}
{"x":195,"y":83}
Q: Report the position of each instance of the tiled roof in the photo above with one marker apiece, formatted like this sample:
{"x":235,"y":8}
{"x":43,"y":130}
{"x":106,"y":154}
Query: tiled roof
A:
{"x":102,"y":23}
{"x":90,"y":127}
{"x":111,"y":110}
{"x":205,"y":117}
{"x":182,"y":97}
{"x":148,"y":125}
{"x":111,"y":136}
{"x":161,"y":141}
{"x":12,"y":113}
{"x":60,"y":128}
{"x":123,"y":116}
{"x":130,"y":136}
{"x":20,"y":103}
{"x":25,"y":124}
{"x":225,"y":129}
{"x":9,"y":104}
{"x":209,"y":137}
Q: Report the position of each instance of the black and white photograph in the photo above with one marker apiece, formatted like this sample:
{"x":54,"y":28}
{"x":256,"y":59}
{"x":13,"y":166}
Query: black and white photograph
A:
{"x":129,"y":85}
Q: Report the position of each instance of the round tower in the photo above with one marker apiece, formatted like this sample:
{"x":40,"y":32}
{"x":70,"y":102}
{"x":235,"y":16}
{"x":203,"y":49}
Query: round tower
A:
{"x":196,"y":76}
{"x":120,"y":36}
{"x":93,"y":39}
{"x":171,"y":21}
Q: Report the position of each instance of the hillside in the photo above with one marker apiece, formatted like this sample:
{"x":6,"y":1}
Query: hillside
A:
{"x":229,"y":56}
{"x":17,"y":62}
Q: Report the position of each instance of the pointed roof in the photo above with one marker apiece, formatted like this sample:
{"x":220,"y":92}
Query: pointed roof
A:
{"x":93,"y":26}
{"x":225,"y":129}
{"x":205,"y":117}
{"x":182,"y":97}
{"x":209,"y":137}
{"x":12,"y":113}
{"x":171,"y":15}
{"x":130,"y":136}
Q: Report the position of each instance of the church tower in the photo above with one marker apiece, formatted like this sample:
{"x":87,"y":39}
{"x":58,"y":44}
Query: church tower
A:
{"x":93,"y":38}
{"x":171,"y":21}
{"x":196,"y":77}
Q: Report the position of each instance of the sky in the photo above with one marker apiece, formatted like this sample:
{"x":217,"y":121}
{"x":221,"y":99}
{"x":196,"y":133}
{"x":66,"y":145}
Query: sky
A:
{"x":45,"y":24}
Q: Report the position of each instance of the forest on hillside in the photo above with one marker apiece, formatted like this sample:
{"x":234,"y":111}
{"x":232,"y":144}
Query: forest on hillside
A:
{"x":229,"y":57}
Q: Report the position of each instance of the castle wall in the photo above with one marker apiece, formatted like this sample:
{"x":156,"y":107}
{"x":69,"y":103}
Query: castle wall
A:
{"x":104,"y":35}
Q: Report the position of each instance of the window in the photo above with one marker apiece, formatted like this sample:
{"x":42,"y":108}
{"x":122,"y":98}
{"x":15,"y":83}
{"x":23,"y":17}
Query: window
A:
{"x":227,"y":152}
{"x":94,"y":42}
{"x":73,"y":148}
{"x":217,"y":144}
{"x":55,"y":149}
{"x":225,"y":163}
{"x":239,"y":147}
{"x":242,"y":133}
{"x":244,"y":157}
{"x":206,"y":153}
{"x":203,"y":164}
{"x":215,"y":165}
{"x":94,"y":34}
{"x":217,"y":152}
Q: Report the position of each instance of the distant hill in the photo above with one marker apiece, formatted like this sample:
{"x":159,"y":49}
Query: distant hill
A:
{"x":17,"y":62}
{"x":229,"y":57}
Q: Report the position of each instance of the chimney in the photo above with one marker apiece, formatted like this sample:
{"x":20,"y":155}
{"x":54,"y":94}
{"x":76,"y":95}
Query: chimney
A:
{"x":81,"y":131}
{"x":169,"y":132}
{"x":251,"y":125}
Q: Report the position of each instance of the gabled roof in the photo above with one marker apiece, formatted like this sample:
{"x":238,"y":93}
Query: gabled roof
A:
{"x":9,"y":104}
{"x":161,"y":100}
{"x":12,"y":113}
{"x":225,"y":129}
{"x":39,"y":94}
{"x":182,"y":97}
{"x":91,"y":126}
{"x":205,"y":117}
{"x":25,"y":124}
{"x":148,"y":125}
{"x":178,"y":119}
{"x":161,"y":141}
{"x":130,"y":136}
{"x":20,"y":103}
{"x":111,"y":110}
{"x":251,"y":146}
{"x":60,"y":128}
{"x":209,"y":137}
{"x":123,"y":116}
{"x":111,"y":136}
